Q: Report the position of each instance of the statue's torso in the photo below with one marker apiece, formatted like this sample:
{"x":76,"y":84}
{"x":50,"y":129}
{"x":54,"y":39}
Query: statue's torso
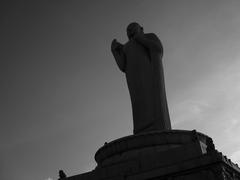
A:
{"x":138,"y":66}
{"x":144,"y":75}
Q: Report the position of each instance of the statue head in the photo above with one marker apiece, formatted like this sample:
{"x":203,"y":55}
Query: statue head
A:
{"x":133,"y":29}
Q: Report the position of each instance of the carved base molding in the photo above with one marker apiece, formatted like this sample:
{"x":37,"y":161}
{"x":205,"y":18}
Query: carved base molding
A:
{"x":161,"y":155}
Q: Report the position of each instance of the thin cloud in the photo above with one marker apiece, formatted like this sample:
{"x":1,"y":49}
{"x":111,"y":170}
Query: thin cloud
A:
{"x":213,"y":106}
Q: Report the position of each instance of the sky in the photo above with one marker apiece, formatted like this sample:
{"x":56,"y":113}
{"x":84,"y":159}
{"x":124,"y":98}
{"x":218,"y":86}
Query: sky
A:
{"x":62,"y":95}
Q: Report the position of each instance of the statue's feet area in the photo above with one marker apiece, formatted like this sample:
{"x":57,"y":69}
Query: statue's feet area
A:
{"x":160,"y":147}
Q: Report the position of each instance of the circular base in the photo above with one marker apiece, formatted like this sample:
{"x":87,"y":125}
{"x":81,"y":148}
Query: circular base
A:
{"x":130,"y":147}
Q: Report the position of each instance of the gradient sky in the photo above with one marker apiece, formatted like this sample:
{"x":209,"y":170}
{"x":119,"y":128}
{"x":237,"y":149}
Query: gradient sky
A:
{"x":62,"y":95}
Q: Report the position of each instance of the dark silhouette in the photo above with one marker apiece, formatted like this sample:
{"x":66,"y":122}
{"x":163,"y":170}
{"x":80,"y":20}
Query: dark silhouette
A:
{"x":141,"y":60}
{"x":62,"y":175}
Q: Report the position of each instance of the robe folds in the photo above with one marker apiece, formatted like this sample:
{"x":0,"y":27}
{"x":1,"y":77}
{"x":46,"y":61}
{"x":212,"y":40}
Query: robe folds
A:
{"x":145,"y":79}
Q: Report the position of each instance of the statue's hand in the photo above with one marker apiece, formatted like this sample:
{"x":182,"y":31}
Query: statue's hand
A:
{"x":115,"y":45}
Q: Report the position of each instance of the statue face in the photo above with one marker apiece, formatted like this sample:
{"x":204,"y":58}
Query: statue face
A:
{"x":133,"y":29}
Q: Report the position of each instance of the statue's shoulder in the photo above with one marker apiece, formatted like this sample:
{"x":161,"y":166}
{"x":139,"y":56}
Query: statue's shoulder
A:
{"x":152,"y":36}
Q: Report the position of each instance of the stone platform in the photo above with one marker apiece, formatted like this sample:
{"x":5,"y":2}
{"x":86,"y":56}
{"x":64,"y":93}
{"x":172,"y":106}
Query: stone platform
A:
{"x":163,"y":155}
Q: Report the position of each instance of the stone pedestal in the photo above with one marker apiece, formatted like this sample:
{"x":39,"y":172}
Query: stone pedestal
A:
{"x":164,"y":155}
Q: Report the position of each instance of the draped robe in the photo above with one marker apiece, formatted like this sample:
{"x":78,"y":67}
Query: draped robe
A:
{"x":145,"y":79}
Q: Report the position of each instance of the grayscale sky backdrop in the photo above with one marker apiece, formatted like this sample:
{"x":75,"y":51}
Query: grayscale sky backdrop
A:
{"x":62,"y":95}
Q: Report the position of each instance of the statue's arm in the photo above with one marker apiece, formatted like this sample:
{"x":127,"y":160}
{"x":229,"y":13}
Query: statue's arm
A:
{"x":150,"y":41}
{"x":119,"y":56}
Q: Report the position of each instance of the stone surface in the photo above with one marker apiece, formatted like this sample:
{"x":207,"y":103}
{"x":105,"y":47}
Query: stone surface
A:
{"x":166,"y":155}
{"x":141,"y":61}
{"x":154,"y":143}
